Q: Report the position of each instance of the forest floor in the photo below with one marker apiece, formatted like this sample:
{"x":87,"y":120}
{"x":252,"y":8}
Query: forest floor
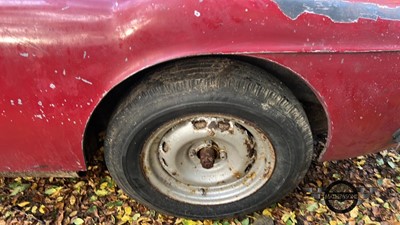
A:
{"x":95,"y":199}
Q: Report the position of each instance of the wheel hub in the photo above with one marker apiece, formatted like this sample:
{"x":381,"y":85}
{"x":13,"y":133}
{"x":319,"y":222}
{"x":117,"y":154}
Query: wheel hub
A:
{"x":212,"y":159}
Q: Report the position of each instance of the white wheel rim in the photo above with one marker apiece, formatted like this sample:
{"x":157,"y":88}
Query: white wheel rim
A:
{"x":244,"y":162}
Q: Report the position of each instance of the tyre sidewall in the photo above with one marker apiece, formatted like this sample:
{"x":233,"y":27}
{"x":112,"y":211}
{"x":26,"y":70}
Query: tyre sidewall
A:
{"x":282,"y":131}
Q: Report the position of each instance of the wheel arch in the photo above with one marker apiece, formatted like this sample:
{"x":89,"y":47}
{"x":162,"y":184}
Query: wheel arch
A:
{"x":314,"y":109}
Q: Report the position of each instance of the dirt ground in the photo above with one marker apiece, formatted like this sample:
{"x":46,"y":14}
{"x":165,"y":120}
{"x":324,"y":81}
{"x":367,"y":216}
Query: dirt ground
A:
{"x":95,"y":199}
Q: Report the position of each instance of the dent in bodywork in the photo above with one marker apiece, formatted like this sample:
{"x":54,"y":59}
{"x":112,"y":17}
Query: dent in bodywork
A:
{"x":338,"y":10}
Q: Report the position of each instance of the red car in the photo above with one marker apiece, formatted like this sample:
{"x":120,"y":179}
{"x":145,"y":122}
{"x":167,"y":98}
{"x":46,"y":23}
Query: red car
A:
{"x":211,"y":108}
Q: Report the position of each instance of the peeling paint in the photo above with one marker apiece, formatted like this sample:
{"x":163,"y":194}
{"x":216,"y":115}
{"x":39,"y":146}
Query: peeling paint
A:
{"x":12,"y":102}
{"x":19,"y":101}
{"x":38,"y":116}
{"x":65,"y":8}
{"x":197,"y":13}
{"x":84,"y":80}
{"x":24,"y":54}
{"x":64,"y":72}
{"x":340,"y":11}
{"x":52,"y":86}
{"x":84,"y":54}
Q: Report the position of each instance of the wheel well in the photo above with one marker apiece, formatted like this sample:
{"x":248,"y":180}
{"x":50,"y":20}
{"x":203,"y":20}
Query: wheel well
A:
{"x":312,"y":106}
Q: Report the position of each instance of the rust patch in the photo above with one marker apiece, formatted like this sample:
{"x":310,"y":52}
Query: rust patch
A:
{"x":237,"y":175}
{"x":250,"y":146}
{"x":200,"y":124}
{"x":207,"y":157}
{"x":224,"y":126}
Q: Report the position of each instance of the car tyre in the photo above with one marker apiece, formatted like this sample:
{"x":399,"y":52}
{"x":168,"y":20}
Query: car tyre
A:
{"x":208,"y":138}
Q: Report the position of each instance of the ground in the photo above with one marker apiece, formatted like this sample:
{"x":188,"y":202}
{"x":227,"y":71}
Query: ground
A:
{"x":95,"y":199}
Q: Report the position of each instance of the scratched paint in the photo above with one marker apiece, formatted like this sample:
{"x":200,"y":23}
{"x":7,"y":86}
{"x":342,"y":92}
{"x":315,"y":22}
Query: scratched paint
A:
{"x":340,"y":11}
{"x":84,"y":80}
{"x":24,"y":54}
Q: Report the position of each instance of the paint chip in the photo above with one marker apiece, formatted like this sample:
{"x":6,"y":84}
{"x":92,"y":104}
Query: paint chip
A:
{"x":84,"y":80}
{"x":84,"y":54}
{"x":197,"y":13}
{"x":52,"y":86}
{"x":24,"y":54}
{"x":19,"y":101}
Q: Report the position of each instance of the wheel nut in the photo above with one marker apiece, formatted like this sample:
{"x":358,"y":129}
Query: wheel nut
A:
{"x":192,"y":153}
{"x":222,"y":155}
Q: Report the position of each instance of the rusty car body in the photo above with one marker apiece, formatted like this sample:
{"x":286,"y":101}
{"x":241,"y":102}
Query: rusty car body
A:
{"x":64,"y":65}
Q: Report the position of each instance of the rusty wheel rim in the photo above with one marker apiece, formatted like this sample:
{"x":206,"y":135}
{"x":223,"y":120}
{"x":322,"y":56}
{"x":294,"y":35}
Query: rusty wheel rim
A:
{"x":208,"y":159}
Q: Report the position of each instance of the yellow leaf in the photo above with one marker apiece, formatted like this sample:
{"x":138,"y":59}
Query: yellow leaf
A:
{"x":73,"y":213}
{"x":332,"y":223}
{"x":208,"y":222}
{"x":72,"y":200}
{"x":361,"y":163}
{"x":34,"y":209}
{"x":368,"y":221}
{"x":136,"y":216}
{"x":128,"y":211}
{"x":103,"y":185}
{"x":189,"y":222}
{"x":78,"y":185}
{"x":34,"y":186}
{"x":101,"y":193}
{"x":23,"y":204}
{"x":41,"y":209}
{"x":267,"y":212}
{"x":59,"y":199}
{"x":125,"y":219}
{"x":379,"y":200}
{"x":319,"y":183}
{"x":354,"y":213}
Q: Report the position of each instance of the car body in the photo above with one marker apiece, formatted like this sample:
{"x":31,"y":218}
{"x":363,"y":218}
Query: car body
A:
{"x":64,"y":64}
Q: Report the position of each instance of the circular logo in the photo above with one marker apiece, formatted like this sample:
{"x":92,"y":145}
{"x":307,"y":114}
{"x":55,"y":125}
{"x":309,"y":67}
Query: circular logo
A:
{"x":341,"y":196}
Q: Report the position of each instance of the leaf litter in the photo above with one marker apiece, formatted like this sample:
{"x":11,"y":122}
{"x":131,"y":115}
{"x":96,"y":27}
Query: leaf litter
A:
{"x":94,"y":198}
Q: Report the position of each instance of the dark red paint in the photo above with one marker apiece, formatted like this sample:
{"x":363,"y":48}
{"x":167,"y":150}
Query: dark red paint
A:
{"x":58,"y":59}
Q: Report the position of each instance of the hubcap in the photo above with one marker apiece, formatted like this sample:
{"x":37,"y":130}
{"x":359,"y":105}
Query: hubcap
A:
{"x":208,"y":159}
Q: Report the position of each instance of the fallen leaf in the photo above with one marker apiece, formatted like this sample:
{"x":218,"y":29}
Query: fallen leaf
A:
{"x":101,"y":192}
{"x":72,"y":200}
{"x":23,"y":204}
{"x":78,"y":221}
{"x":312,"y":207}
{"x":354,"y":212}
{"x":42,"y":209}
{"x":17,"y":188}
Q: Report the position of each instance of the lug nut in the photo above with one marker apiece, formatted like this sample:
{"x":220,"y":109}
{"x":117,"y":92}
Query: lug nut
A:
{"x":222,"y":155}
{"x":192,"y":153}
